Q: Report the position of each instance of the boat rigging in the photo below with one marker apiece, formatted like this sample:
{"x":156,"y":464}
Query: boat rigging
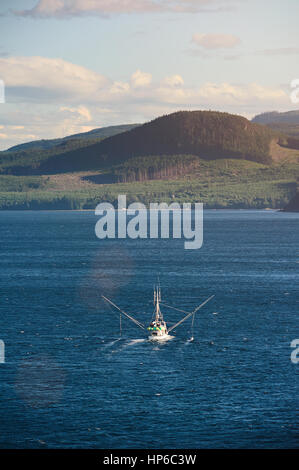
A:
{"x":157,"y":328}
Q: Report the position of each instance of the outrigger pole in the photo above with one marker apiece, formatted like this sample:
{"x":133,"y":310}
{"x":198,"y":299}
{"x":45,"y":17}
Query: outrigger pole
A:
{"x":189,"y":314}
{"x":140,"y":325}
{"x":124,"y":313}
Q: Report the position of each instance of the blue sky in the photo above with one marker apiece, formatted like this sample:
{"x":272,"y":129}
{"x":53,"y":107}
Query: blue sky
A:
{"x":72,"y":65}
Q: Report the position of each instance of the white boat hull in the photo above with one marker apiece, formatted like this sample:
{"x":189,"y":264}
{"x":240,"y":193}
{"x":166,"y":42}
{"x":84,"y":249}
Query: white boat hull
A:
{"x":162,"y":337}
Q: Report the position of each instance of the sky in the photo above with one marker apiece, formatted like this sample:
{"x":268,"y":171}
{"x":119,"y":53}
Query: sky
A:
{"x":69,"y":66}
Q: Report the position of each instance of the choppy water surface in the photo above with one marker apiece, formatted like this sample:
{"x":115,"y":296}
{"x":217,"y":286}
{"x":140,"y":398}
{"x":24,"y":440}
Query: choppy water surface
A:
{"x":70,"y":381}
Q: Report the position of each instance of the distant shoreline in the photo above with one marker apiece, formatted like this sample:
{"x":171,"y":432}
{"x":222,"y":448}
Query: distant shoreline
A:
{"x":117,"y":210}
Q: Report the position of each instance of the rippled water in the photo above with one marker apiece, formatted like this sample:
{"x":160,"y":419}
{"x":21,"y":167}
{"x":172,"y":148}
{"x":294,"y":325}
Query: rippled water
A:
{"x":70,"y":381}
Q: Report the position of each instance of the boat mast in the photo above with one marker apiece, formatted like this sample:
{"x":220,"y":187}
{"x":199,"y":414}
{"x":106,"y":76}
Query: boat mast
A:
{"x":157,"y":300}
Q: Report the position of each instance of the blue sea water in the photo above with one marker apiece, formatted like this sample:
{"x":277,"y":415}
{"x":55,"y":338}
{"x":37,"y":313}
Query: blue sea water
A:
{"x":70,"y":381}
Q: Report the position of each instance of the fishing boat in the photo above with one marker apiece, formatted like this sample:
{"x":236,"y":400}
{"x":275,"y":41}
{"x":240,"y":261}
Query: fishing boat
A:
{"x":157,"y":329}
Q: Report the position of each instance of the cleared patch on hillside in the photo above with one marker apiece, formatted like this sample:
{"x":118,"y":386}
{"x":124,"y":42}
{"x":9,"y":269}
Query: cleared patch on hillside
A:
{"x":283,"y":154}
{"x":70,"y":181}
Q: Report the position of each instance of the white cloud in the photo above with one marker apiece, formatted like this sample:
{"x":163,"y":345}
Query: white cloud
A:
{"x":71,"y":8}
{"x":44,"y":123}
{"x":76,"y":89}
{"x":141,"y":79}
{"x":73,"y":120}
{"x":119,"y":88}
{"x":242,"y":95}
{"x":11,"y":137}
{"x":215,"y":41}
{"x":174,"y":81}
{"x":280,"y":51}
{"x":81,"y":111}
{"x":66,"y":98}
{"x":42,"y":79}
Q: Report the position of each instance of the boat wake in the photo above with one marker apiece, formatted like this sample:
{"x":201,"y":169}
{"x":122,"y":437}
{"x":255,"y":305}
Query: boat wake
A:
{"x":157,"y":329}
{"x":188,"y":341}
{"x":109,"y":345}
{"x":133,"y":342}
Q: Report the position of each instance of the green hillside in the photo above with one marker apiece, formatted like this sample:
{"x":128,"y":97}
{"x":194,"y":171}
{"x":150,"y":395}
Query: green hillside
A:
{"x":26,"y":159}
{"x":91,"y":136}
{"x":206,"y":134}
{"x":286,"y":123}
{"x":224,"y":183}
{"x":219,"y":159}
{"x":289,"y":129}
{"x":293,"y":205}
{"x":289,"y":117}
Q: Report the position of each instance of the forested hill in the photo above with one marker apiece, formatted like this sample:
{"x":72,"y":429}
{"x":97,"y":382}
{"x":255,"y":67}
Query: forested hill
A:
{"x":290,"y":117}
{"x":286,"y":123}
{"x":222,"y":160}
{"x":293,"y":205}
{"x":207,"y":134}
{"x":202,"y":134}
{"x":94,"y":134}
